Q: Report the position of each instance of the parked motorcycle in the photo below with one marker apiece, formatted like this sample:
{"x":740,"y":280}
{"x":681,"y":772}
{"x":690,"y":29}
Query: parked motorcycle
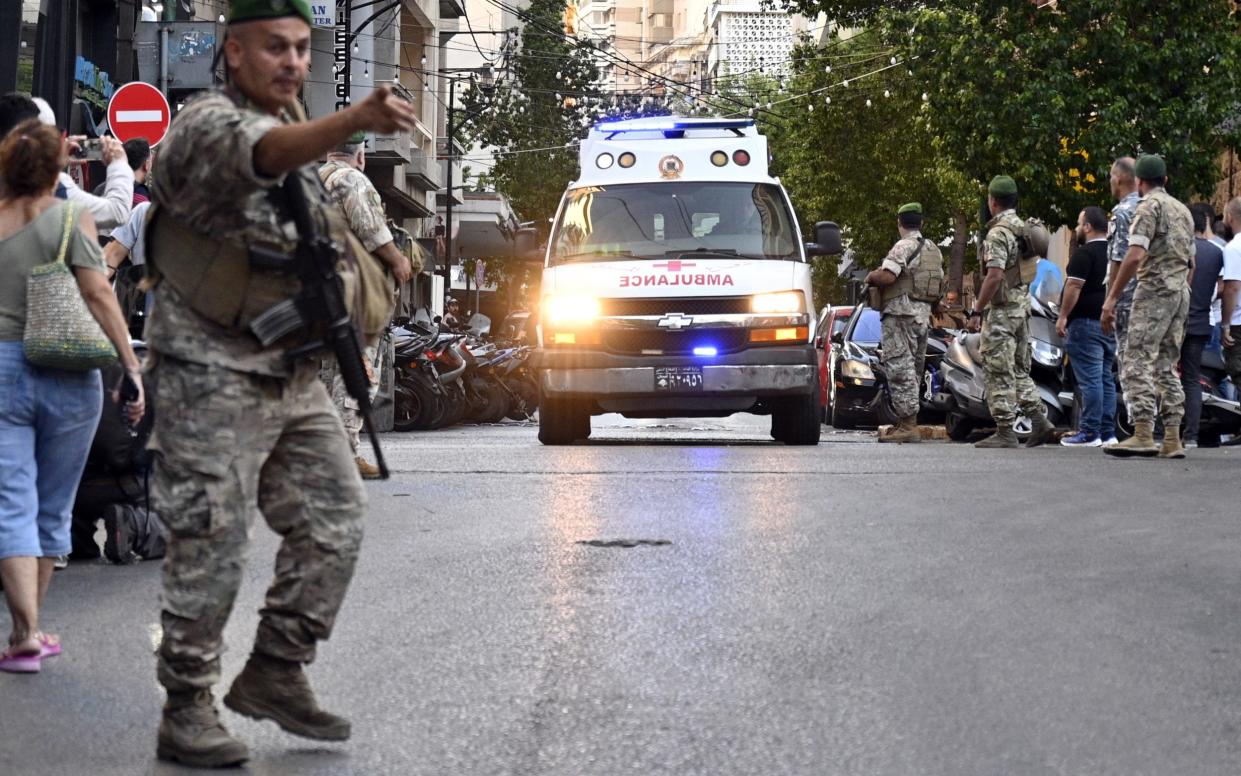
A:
{"x":964,"y":394}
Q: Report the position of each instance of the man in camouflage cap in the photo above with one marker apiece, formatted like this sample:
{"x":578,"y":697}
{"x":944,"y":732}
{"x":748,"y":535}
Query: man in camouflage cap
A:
{"x":343,"y":176}
{"x":244,"y":430}
{"x":905,"y":318}
{"x":1005,"y":296}
{"x":1161,"y":252}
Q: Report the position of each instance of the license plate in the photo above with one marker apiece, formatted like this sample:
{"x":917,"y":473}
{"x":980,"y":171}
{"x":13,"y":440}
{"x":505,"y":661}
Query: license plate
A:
{"x":678,"y":379}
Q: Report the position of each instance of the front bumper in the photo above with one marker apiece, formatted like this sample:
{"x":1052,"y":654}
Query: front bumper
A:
{"x":756,"y":372}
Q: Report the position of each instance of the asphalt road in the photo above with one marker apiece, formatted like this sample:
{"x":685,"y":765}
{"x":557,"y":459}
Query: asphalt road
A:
{"x":847,"y":609}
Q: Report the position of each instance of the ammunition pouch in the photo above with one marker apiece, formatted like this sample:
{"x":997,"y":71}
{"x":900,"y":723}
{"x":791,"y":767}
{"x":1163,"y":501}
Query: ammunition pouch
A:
{"x":1022,"y":272}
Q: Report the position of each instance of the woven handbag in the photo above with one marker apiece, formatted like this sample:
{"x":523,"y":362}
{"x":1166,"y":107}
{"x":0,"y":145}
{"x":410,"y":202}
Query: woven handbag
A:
{"x":60,"y":331}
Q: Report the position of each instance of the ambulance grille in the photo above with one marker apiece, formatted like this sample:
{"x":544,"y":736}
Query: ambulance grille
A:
{"x":737,"y":305}
{"x":674,"y":343}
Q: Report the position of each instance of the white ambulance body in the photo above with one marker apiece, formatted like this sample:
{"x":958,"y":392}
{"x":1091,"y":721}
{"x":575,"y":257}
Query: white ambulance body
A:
{"x":676,"y":284}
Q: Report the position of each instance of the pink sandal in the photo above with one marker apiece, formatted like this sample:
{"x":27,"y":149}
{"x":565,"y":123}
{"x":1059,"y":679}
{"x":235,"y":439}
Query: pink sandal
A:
{"x":12,"y":663}
{"x":49,"y":648}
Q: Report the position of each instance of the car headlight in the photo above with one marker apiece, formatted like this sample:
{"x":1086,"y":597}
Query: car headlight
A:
{"x":570,"y":308}
{"x":782,"y":302}
{"x":1045,"y":354}
{"x":858,"y":370}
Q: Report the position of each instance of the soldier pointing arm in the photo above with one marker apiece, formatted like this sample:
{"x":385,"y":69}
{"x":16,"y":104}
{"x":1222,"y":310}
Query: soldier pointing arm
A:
{"x":245,"y":427}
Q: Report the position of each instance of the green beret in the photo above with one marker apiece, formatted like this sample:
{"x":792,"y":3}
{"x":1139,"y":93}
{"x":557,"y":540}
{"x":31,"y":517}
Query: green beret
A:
{"x":258,"y":10}
{"x":1151,"y":168}
{"x":909,"y":207}
{"x":1002,"y":186}
{"x":357,"y":138}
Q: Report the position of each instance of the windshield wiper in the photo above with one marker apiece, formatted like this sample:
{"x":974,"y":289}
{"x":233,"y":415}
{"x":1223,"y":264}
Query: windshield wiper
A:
{"x":721,"y":253}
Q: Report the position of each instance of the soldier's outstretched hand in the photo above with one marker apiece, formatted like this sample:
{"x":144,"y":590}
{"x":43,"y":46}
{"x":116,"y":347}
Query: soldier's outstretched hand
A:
{"x":385,"y":113}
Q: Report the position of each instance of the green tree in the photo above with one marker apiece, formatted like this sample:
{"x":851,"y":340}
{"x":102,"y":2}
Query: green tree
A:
{"x":543,"y":101}
{"x":853,"y":154}
{"x":1051,"y":93}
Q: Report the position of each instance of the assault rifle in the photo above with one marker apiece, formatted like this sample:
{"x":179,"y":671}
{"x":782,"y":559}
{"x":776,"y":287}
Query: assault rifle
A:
{"x":322,"y":300}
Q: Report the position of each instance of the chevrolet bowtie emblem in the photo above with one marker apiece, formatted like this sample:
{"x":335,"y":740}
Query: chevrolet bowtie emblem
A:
{"x":675,"y":321}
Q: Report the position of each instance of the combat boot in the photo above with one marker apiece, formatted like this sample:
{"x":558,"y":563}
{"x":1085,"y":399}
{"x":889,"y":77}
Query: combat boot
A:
{"x":1003,"y":438}
{"x":1142,"y":443}
{"x":1172,"y":447}
{"x":368,"y":470}
{"x":1041,"y":432}
{"x":270,"y":688}
{"x":904,"y":430}
{"x":190,"y":733}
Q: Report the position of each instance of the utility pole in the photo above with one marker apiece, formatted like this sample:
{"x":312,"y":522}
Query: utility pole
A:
{"x":452,"y":94}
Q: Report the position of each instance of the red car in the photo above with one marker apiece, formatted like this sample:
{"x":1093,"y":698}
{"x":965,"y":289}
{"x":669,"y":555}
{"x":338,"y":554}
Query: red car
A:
{"x":831,"y":320}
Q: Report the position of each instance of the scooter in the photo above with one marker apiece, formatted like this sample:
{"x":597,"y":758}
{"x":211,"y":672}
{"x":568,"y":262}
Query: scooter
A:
{"x":964,"y":394}
{"x":1221,"y":412}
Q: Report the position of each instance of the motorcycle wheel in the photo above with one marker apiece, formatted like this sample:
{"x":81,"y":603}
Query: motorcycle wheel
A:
{"x":432,"y":408}
{"x":958,"y":426}
{"x":526,"y":401}
{"x":498,"y":408}
{"x":454,"y":406}
{"x":479,"y":401}
{"x":407,"y":406}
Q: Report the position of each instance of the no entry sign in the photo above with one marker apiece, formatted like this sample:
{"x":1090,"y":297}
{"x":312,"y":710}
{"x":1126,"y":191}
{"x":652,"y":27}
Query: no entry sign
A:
{"x":138,"y":109}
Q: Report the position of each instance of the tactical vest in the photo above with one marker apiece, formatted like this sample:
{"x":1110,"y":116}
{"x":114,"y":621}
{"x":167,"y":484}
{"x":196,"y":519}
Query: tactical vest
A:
{"x":1024,"y":270}
{"x":231,"y":283}
{"x":922,"y":279}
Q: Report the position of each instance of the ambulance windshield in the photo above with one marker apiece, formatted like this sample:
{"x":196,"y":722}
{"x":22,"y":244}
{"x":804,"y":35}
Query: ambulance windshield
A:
{"x":658,"y":220}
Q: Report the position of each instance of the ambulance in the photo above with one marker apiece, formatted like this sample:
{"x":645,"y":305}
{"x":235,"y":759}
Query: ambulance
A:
{"x":676,"y":284}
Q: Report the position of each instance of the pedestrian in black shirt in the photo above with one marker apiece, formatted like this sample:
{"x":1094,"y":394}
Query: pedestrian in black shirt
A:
{"x":1091,"y":352}
{"x":1203,"y":282}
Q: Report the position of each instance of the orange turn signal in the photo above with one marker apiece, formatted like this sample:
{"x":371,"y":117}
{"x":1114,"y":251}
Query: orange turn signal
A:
{"x":574,"y":338}
{"x":791,"y":334}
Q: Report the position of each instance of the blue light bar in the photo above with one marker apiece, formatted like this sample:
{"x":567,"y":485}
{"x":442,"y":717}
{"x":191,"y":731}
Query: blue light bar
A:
{"x":671,"y":124}
{"x":706,"y":351}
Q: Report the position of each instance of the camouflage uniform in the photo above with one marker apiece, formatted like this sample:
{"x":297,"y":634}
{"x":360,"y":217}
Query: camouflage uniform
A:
{"x":904,"y":325}
{"x":240,"y":430}
{"x":1164,"y":227}
{"x":357,"y":197}
{"x":1117,"y":247}
{"x":1006,"y":331}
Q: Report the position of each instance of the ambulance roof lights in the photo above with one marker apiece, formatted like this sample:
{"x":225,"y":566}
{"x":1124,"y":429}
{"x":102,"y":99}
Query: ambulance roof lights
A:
{"x":741,"y":157}
{"x":627,"y":160}
{"x":603,"y":161}
{"x":671,"y":123}
{"x":719,"y":158}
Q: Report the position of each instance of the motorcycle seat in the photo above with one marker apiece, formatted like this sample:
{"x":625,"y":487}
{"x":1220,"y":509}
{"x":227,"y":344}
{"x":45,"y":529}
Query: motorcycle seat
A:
{"x":973,"y":346}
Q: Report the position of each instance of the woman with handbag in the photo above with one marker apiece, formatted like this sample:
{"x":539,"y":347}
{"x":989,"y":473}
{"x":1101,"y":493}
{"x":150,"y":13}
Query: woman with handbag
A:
{"x":59,"y":321}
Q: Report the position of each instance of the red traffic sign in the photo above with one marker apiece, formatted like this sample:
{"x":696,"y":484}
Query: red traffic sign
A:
{"x":138,"y":109}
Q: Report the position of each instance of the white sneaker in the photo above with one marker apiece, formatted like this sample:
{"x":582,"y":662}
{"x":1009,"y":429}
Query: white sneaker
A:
{"x":1111,"y":441}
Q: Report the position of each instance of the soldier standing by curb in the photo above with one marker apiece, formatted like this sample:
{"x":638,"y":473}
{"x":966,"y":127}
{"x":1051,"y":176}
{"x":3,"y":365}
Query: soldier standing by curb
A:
{"x":1125,"y":189}
{"x":1005,"y":294}
{"x":1161,"y":252}
{"x":243,"y":429}
{"x":343,"y":177}
{"x":906,"y":315}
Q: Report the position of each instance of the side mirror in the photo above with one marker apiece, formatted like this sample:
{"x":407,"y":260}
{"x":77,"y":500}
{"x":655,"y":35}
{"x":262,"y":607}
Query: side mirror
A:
{"x":526,"y":245}
{"x":437,"y":319}
{"x":838,"y":338}
{"x":826,"y":240}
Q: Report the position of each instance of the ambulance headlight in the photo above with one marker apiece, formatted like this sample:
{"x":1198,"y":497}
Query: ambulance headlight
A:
{"x":603,"y":161}
{"x":626,"y":160}
{"x":571,"y":308}
{"x":784,"y":302}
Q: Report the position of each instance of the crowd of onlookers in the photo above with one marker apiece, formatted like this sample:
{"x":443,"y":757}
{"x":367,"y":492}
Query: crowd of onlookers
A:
{"x":1215,"y":280}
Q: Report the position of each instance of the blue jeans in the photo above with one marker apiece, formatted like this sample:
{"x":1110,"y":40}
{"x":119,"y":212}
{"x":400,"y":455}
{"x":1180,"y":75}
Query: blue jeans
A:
{"x":47,"y":422}
{"x":1091,"y":353}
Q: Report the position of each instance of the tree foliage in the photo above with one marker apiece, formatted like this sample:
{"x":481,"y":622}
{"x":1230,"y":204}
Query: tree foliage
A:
{"x":855,"y":154}
{"x":541,"y":101}
{"x":1051,"y":93}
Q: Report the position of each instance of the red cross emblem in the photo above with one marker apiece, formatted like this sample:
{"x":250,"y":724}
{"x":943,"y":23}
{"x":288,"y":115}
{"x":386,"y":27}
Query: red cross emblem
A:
{"x":675,"y":265}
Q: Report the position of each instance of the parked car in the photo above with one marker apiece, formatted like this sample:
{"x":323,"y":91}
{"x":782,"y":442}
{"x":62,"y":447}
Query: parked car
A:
{"x":832,"y":320}
{"x":857,"y":391}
